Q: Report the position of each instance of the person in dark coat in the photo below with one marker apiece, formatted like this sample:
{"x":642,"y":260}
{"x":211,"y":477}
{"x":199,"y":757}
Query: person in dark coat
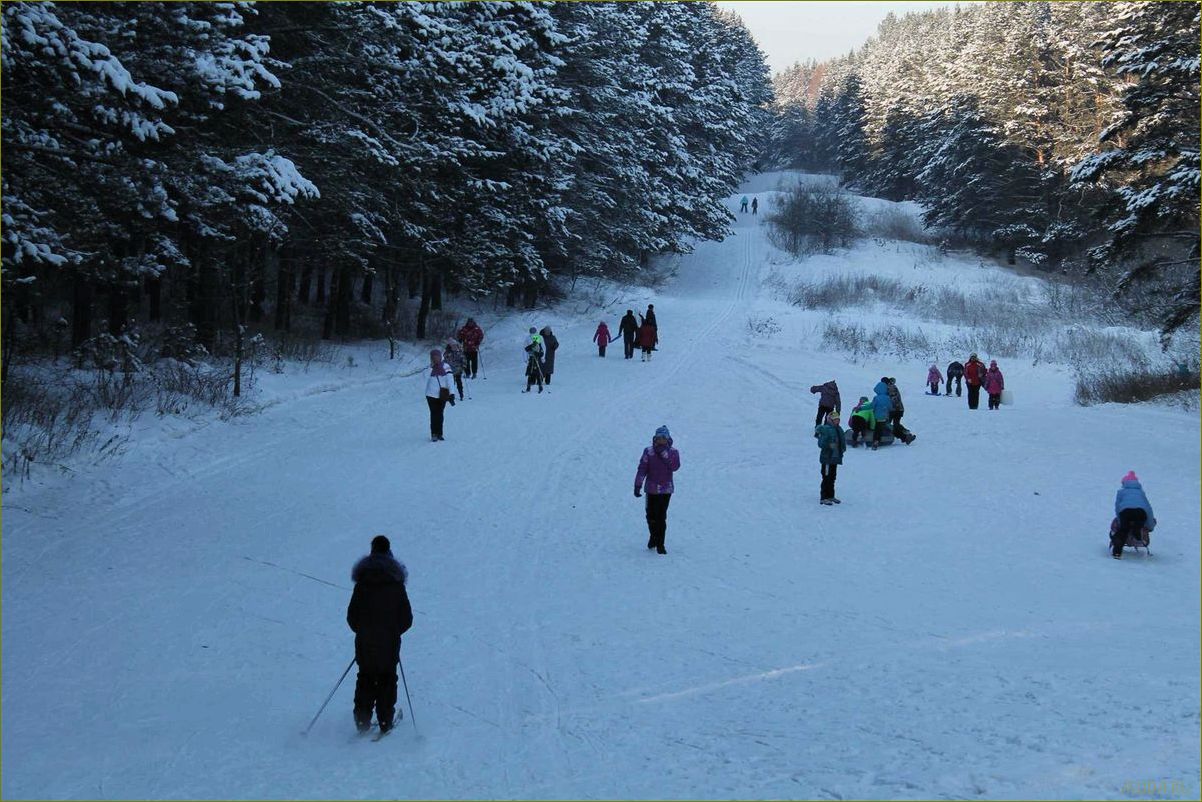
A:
{"x":650,"y":318}
{"x":895,"y":414}
{"x":379,"y":613}
{"x":955,"y":370}
{"x":828,"y":401}
{"x":629,"y":329}
{"x":550,"y":346}
{"x":831,"y":447}
{"x":647,"y":339}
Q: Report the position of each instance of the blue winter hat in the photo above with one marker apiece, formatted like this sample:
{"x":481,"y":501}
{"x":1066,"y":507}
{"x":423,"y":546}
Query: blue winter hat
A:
{"x":663,"y":432}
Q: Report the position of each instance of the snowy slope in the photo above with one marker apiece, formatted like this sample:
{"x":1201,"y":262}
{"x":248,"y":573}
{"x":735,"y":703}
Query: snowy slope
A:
{"x":954,"y":628}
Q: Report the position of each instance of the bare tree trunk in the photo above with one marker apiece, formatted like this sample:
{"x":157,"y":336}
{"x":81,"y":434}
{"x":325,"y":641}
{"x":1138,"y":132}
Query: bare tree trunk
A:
{"x":365,"y":294}
{"x":154,"y":294}
{"x":436,"y":290}
{"x":258,"y":287}
{"x":423,"y":311}
{"x":327,"y":323}
{"x":321,"y":286}
{"x":414,"y":277}
{"x":342,"y":301}
{"x":306,"y":282}
{"x":81,"y":311}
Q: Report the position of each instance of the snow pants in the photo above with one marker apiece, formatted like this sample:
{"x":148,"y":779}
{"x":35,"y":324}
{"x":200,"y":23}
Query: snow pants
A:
{"x":628,"y":345}
{"x":471,"y":363}
{"x":934,"y":388}
{"x":601,"y":349}
{"x":859,"y":429}
{"x":437,"y":407}
{"x":827,"y":490}
{"x":995,"y":400}
{"x":822,"y":413}
{"x":974,"y":395}
{"x":375,"y":689}
{"x":959,"y":377}
{"x":459,"y":384}
{"x":899,"y":431}
{"x":1130,"y":523}
{"x":657,"y":518}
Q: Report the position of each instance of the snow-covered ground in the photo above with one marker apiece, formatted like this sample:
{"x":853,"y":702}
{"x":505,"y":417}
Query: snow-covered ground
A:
{"x":173,"y":618}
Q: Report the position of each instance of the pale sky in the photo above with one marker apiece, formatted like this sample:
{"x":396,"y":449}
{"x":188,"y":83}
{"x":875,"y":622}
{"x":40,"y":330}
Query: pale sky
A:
{"x":796,"y":31}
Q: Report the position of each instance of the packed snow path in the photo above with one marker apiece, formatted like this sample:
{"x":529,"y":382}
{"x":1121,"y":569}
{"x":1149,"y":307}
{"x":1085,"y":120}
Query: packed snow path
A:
{"x":953,"y":629}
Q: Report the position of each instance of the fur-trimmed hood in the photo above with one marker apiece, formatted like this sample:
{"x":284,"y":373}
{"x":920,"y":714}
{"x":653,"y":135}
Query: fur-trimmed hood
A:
{"x":379,"y":569}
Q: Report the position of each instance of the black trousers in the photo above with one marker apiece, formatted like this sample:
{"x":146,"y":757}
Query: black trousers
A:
{"x":375,"y":690}
{"x":437,"y":406}
{"x":459,"y":384}
{"x":827,"y":489}
{"x":1130,"y":523}
{"x":601,"y":349}
{"x":471,"y":363}
{"x":959,"y":379}
{"x":822,"y":412}
{"x":657,"y":517}
{"x":628,"y":345}
{"x":995,"y":400}
{"x":974,"y":395}
{"x":859,"y":429}
{"x":899,"y":431}
{"x":934,"y":388}
{"x":878,"y":431}
{"x":534,"y":373}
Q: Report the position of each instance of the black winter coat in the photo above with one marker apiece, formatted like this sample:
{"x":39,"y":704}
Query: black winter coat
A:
{"x":551,"y":345}
{"x":628,"y":328}
{"x":379,"y":612}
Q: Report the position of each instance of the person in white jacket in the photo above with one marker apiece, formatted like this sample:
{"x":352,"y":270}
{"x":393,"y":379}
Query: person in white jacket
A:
{"x":439,"y":392}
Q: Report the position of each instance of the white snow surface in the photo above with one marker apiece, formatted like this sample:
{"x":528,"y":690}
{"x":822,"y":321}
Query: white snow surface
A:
{"x":956,"y":628}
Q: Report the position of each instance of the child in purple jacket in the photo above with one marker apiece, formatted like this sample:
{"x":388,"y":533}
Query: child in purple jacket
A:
{"x":659,"y":461}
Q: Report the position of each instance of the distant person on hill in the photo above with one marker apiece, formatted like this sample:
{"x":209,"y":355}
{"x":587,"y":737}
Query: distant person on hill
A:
{"x":534,"y":361}
{"x":550,"y":346}
{"x":743,"y":204}
{"x":453,"y":355}
{"x":974,"y":376}
{"x":471,"y":335}
{"x":379,"y":614}
{"x":828,"y":400}
{"x":656,"y":466}
{"x":955,"y":370}
{"x":438,"y":393}
{"x":994,"y":384}
{"x":1133,"y":515}
{"x":831,"y":447}
{"x":862,"y":421}
{"x":629,"y":329}
{"x":602,"y":338}
{"x":934,"y":379}
{"x":895,"y":415}
{"x":648,"y":337}
{"x":881,"y":407}
{"x":755,"y":205}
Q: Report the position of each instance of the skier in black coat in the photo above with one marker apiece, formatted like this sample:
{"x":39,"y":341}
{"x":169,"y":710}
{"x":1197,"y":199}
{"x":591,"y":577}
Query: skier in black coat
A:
{"x":629,"y":329}
{"x":550,"y":346}
{"x":379,"y":613}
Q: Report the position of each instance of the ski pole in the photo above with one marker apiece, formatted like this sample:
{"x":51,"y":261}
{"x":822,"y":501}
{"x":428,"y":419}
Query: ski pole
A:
{"x":480,"y":357}
{"x":405,"y":682}
{"x":328,"y":698}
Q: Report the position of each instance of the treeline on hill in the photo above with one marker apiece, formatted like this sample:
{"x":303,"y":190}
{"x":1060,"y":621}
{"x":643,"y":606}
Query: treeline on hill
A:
{"x":211,"y":166}
{"x":1063,"y":134}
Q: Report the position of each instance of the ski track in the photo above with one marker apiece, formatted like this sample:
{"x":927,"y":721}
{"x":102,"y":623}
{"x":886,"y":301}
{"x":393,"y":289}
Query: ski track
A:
{"x":184,"y":610}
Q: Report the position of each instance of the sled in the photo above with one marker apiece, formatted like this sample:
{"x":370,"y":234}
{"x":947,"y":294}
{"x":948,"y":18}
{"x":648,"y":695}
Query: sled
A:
{"x":887,"y":437}
{"x":1134,"y":542}
{"x":1007,"y":397}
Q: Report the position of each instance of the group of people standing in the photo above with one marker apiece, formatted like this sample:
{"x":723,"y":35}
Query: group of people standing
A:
{"x":540,"y":357}
{"x":755,"y":205}
{"x":643,"y":332}
{"x":976,"y":376}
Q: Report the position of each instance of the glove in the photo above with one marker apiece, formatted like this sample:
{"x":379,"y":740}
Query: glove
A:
{"x":638,"y":493}
{"x":452,"y":400}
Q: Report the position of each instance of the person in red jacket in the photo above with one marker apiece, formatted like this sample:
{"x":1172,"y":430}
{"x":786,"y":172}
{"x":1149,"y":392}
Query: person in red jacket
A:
{"x":648,"y":338}
{"x":602,"y":338}
{"x":471,"y":335}
{"x":974,"y":377}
